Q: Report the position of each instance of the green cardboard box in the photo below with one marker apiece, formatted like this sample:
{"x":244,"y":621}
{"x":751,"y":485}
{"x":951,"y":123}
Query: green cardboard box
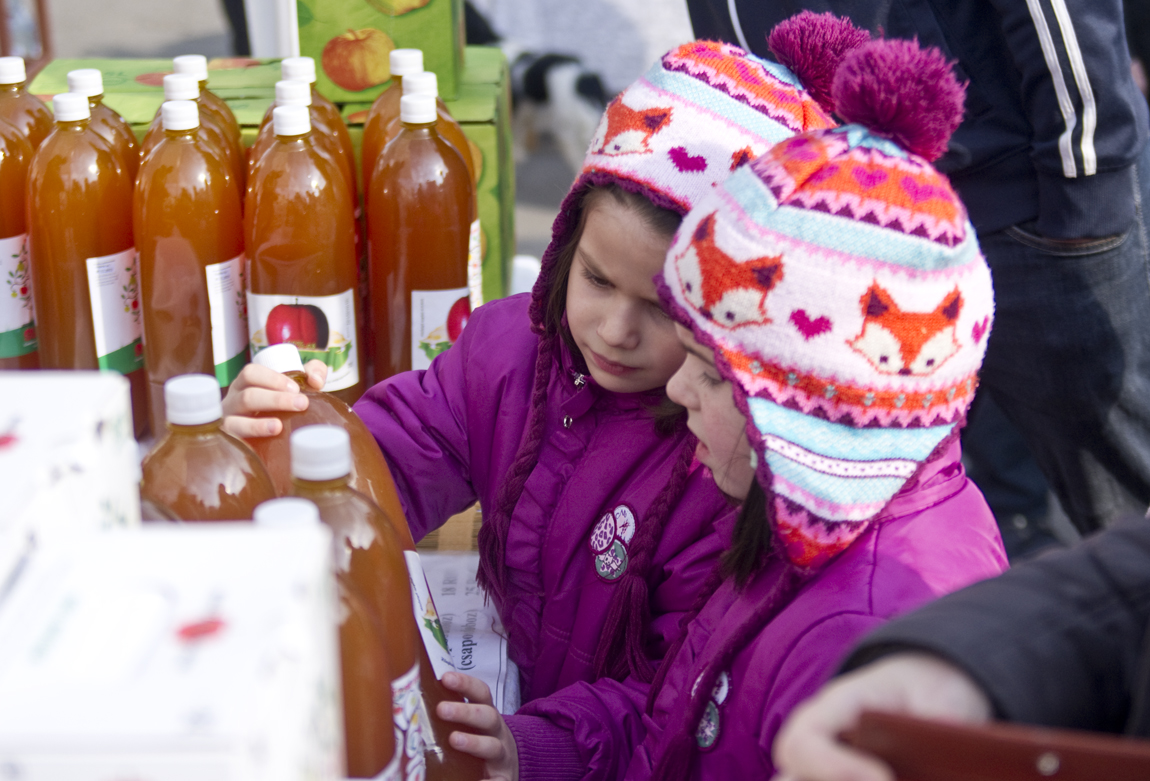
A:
{"x":483,"y":110}
{"x":351,"y":40}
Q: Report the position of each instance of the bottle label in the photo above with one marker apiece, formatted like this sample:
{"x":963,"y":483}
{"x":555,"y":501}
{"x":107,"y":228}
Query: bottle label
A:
{"x":322,"y":327}
{"x":113,"y":286}
{"x":408,"y":717}
{"x":475,"y":266}
{"x":437,"y":319}
{"x":228,"y":306}
{"x":427,"y":618}
{"x":17,"y":318}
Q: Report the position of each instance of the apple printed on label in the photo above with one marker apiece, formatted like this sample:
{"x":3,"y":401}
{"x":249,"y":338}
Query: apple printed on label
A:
{"x":443,"y":336}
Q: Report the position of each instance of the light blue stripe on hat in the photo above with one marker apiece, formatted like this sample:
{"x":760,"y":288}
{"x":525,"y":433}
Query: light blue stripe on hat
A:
{"x":845,"y":235}
{"x":702,"y":94}
{"x":837,"y":490}
{"x":846,"y":442}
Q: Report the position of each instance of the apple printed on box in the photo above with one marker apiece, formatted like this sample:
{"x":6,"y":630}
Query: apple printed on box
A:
{"x":437,"y":320}
{"x":322,"y":327}
{"x":350,"y":41}
{"x":609,"y":540}
{"x":17,"y":319}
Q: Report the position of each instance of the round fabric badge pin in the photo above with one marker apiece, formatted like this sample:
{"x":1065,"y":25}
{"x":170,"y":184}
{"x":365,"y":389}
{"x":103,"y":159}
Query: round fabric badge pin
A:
{"x":710,"y":725}
{"x":609,"y":541}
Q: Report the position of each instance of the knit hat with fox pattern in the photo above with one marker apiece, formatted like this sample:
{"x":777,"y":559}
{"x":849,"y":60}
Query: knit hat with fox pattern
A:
{"x":840,"y":284}
{"x":702,"y":111}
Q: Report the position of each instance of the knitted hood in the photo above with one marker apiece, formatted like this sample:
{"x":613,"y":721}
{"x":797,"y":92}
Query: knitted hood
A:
{"x":840,"y":284}
{"x":704,"y":109}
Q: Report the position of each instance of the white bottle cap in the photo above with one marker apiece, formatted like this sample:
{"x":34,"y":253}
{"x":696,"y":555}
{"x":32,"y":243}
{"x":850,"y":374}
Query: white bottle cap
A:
{"x":181,"y":86}
{"x":293,"y":93}
{"x":291,"y":120}
{"x":12,"y":70}
{"x":280,"y":357}
{"x":86,"y":81}
{"x":71,"y":107}
{"x":298,"y":69}
{"x":289,"y":512}
{"x":180,"y":115}
{"x":405,"y":62}
{"x":192,"y":64}
{"x":423,"y":83}
{"x":417,"y":109}
{"x":320,"y":453}
{"x":192,"y":400}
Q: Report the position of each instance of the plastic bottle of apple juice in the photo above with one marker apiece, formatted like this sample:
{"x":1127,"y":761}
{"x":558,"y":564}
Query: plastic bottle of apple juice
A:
{"x":17,"y":317}
{"x":189,"y":233}
{"x":180,"y":86}
{"x":86,"y":289}
{"x":105,"y":121}
{"x":420,"y":207}
{"x":196,"y":65}
{"x":299,"y":232}
{"x":385,"y":108}
{"x":369,"y":735}
{"x":369,"y":472}
{"x":196,"y":471}
{"x":369,"y":556}
{"x":298,"y":93}
{"x":303,"y":69}
{"x":20,"y":108}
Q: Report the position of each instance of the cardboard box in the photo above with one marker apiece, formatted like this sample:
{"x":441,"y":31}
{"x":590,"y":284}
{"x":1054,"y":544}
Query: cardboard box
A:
{"x":173,"y":653}
{"x":351,"y":40}
{"x":483,"y":110}
{"x":68,"y":461}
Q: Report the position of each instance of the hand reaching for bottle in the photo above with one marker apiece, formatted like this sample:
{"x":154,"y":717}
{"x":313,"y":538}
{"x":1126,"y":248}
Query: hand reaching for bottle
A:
{"x":260,"y":389}
{"x":914,"y":684}
{"x":487,"y":736}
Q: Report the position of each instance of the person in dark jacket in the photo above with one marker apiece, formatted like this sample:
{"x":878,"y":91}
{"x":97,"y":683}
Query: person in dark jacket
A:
{"x":1058,"y":641}
{"x":1052,"y":163}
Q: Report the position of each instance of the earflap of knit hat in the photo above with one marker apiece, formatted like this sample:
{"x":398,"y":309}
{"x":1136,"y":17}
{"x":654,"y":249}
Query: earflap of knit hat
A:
{"x":841,"y":287}
{"x":702,"y":111}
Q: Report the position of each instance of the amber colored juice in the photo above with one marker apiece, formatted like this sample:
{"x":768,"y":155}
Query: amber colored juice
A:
{"x":447,"y":128}
{"x":369,"y":473}
{"x":212,"y":128}
{"x":369,"y":732}
{"x":323,"y":136}
{"x":334,"y":123}
{"x":368,"y":555}
{"x":113,"y":129}
{"x":26,"y":112}
{"x":384,"y":109}
{"x":201,"y":473}
{"x":213,"y":104}
{"x":420,"y":205}
{"x":299,"y":230}
{"x":79,"y":207}
{"x":15,"y":290}
{"x":186,"y":219}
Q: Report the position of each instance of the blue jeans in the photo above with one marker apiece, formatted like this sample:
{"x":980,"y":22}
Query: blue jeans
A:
{"x":1068,"y":360}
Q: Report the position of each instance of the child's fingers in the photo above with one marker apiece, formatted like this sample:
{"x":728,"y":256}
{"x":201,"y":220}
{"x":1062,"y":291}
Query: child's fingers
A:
{"x":316,"y":371}
{"x":255,"y":376}
{"x":248,"y":428}
{"x":475,"y":690}
{"x":482,"y":746}
{"x":483,"y":718}
{"x":251,"y":400}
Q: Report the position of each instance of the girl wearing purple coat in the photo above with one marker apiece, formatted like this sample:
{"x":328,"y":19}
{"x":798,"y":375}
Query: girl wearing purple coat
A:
{"x":550,"y":409}
{"x":835,"y":308}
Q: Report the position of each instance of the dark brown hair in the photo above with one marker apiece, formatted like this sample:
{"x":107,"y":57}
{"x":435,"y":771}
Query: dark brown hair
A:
{"x":751,"y":539}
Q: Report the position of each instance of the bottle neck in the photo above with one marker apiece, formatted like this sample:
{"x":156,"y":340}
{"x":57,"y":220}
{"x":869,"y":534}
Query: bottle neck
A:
{"x":300,"y":379}
{"x":426,"y":129}
{"x":74,"y":125}
{"x":202,"y":428}
{"x":203,"y":85}
{"x":95,"y":100}
{"x":13,"y":89}
{"x":305,"y":487}
{"x":188,"y":133}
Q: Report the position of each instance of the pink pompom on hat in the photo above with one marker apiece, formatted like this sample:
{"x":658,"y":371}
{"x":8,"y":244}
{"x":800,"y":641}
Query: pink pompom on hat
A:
{"x":704,"y":109}
{"x":840,"y":284}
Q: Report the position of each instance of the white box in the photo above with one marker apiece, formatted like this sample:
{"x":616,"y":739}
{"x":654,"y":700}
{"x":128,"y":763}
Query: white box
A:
{"x":173,"y":653}
{"x":68,"y":460}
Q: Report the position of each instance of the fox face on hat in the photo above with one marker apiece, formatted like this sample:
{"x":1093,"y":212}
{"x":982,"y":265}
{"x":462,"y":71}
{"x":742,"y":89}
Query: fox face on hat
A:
{"x":703,"y":110}
{"x":840,"y":284}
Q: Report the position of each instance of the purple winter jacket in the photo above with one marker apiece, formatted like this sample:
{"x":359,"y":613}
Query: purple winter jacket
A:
{"x":450,"y":434}
{"x":933,"y":538}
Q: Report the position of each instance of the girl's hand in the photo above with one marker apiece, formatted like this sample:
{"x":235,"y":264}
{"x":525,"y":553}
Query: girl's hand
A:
{"x":259,"y":389}
{"x":492,"y":741}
